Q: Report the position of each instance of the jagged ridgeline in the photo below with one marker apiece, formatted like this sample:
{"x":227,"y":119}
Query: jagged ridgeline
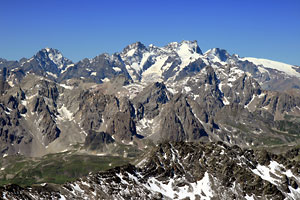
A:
{"x":122,"y":105}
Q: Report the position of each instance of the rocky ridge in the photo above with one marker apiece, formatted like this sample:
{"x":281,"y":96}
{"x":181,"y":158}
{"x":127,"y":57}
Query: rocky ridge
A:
{"x":183,"y":171}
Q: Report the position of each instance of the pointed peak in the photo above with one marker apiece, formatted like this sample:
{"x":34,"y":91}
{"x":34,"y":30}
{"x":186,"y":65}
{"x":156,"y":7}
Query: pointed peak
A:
{"x":235,"y":55}
{"x":222,"y":54}
{"x":53,"y":55}
{"x":50,"y":50}
{"x":134,"y":46}
{"x":216,"y":51}
{"x":187,"y":44}
{"x":193,"y":44}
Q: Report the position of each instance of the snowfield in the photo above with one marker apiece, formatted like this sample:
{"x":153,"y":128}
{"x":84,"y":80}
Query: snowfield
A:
{"x":286,"y":68}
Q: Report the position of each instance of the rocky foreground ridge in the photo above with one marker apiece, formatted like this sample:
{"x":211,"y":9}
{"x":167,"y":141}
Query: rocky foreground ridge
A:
{"x":183,"y":170}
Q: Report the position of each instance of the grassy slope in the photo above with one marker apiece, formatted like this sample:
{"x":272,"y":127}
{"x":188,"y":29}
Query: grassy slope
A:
{"x":60,"y":167}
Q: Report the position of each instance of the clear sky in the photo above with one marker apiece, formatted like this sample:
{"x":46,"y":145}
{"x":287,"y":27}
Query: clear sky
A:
{"x":86,"y":28}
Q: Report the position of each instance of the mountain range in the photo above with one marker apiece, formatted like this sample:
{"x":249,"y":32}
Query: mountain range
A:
{"x":146,"y":96}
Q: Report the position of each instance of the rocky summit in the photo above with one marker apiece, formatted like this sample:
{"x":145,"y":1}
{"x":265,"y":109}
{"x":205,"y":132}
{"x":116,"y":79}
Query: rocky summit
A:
{"x":199,"y":114}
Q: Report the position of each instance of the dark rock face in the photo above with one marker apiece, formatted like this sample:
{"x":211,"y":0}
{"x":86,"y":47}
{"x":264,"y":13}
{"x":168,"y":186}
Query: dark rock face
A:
{"x":97,"y":141}
{"x":179,"y":123}
{"x":122,"y":127}
{"x":117,"y":115}
{"x":182,"y":171}
{"x":11,"y":130}
{"x":190,"y":70}
{"x":210,"y":97}
{"x":97,"y":69}
{"x":44,"y":105}
{"x":279,"y":102}
{"x":150,"y":100}
{"x":48,"y":126}
{"x":3,"y":85}
{"x":92,"y":109}
{"x":242,"y":90}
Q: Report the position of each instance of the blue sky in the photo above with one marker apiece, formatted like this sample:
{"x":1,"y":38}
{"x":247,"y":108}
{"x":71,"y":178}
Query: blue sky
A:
{"x":86,"y":28}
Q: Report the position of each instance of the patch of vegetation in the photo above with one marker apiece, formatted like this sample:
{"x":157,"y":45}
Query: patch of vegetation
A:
{"x":288,"y":126}
{"x":270,"y":141}
{"x":292,"y":118}
{"x":239,"y":126}
{"x":55,"y":168}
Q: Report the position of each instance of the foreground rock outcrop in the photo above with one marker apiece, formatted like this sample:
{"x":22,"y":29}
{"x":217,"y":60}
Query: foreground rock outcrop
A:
{"x":183,"y":171}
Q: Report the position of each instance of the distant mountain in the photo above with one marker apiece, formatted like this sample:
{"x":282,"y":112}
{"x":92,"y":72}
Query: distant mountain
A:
{"x":150,"y":64}
{"x":170,"y":93}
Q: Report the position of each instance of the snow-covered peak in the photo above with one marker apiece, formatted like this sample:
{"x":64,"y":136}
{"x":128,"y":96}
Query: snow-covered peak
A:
{"x":286,"y":68}
{"x":193,"y":45}
{"x":133,"y":49}
{"x":51,"y":51}
{"x":235,"y":55}
{"x":55,"y":56}
{"x":150,"y":63}
{"x":185,"y":45}
{"x":187,"y":48}
{"x":217,"y":55}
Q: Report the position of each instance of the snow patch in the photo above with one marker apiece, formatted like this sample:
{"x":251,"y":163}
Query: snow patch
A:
{"x":65,"y":114}
{"x":154,"y":73}
{"x":62,"y":197}
{"x":143,"y":124}
{"x":264,"y":172}
{"x":172,"y":90}
{"x":262,"y":70}
{"x":77,"y":188}
{"x":101,"y":154}
{"x":130,"y":53}
{"x":67,"y":67}
{"x":105,"y":80}
{"x":225,"y":101}
{"x":57,"y":58}
{"x":201,"y":188}
{"x":247,"y":197}
{"x":187,"y":89}
{"x":51,"y":74}
{"x":117,"y":69}
{"x":10,"y":83}
{"x":66,"y":86}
